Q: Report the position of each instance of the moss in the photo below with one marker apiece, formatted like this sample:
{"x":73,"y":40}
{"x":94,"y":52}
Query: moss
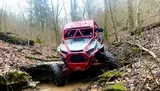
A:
{"x":135,"y":49}
{"x":139,"y":34}
{"x":116,"y":43}
{"x":115,"y":87}
{"x":2,"y":80}
{"x":14,"y":77}
{"x":17,"y":77}
{"x":109,"y":74}
{"x":13,"y":37}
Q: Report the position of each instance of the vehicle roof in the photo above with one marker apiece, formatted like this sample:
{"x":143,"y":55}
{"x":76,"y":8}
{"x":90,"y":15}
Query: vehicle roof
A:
{"x":76,"y":24}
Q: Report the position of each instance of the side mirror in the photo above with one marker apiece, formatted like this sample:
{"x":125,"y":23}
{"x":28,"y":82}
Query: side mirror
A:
{"x":99,"y":29}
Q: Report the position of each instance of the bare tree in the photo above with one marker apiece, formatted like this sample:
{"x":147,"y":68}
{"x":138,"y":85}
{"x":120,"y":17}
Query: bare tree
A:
{"x":41,"y":11}
{"x":1,"y":15}
{"x":65,"y":10}
{"x":30,"y":2}
{"x":74,"y":10}
{"x":130,"y":14}
{"x":105,"y":20}
{"x":113,"y":20}
{"x":89,"y":8}
{"x":138,"y":12}
{"x":55,"y":16}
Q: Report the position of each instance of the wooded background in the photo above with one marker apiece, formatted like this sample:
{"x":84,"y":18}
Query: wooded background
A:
{"x":44,"y":19}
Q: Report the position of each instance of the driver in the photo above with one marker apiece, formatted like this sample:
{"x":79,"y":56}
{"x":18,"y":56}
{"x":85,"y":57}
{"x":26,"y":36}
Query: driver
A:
{"x":99,"y":38}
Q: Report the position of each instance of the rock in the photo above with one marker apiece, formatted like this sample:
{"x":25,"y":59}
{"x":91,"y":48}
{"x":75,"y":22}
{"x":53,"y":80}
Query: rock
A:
{"x":15,"y":79}
{"x":79,"y":89}
{"x":33,"y":84}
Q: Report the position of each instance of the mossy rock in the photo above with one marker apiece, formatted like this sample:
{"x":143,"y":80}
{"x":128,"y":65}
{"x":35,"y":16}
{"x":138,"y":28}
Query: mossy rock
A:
{"x":16,"y":80}
{"x":115,"y":87}
{"x":13,"y":37}
{"x":14,"y":77}
{"x":109,"y":74}
{"x":17,"y":77}
{"x":2,"y":80}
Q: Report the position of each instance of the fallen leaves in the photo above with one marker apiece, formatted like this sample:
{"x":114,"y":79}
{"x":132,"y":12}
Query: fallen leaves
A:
{"x":12,"y":57}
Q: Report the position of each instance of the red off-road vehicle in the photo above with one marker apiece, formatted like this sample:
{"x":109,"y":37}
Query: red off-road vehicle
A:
{"x":81,"y":48}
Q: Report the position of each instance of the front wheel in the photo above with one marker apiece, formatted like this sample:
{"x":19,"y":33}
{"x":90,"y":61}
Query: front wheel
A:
{"x":57,"y":75}
{"x":110,"y":61}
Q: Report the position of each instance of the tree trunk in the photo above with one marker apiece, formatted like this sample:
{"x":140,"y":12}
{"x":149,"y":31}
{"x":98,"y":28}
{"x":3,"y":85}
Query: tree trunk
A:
{"x":73,"y":4}
{"x":88,"y":6}
{"x":130,"y":14}
{"x":105,"y":21}
{"x":113,"y":21}
{"x":138,"y":13}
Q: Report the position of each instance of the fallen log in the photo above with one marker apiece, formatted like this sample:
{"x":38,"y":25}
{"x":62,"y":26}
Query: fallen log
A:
{"x":14,"y":39}
{"x":141,"y":28}
{"x":40,"y":59}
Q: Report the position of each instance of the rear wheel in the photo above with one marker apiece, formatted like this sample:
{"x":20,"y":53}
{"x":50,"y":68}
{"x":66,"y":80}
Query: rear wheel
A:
{"x":57,"y":75}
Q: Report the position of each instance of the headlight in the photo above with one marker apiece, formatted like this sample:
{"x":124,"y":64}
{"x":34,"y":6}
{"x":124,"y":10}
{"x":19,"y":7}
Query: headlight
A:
{"x":64,"y":53}
{"x":89,"y":52}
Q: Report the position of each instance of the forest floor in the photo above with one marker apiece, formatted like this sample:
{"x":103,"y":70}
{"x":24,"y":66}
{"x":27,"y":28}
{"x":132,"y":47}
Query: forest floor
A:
{"x":139,"y":60}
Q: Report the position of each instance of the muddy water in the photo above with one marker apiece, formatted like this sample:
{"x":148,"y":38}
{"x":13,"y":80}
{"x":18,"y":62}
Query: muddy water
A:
{"x":68,"y":87}
{"x":75,"y":80}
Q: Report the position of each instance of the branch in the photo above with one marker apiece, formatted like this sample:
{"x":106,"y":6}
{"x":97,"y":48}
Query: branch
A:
{"x":146,"y":50}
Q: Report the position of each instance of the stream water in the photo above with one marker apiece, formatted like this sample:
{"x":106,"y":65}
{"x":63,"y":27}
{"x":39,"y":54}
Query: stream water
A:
{"x":68,"y":87}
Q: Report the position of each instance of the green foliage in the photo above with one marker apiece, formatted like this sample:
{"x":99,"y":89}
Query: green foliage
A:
{"x":38,"y":40}
{"x":115,"y":87}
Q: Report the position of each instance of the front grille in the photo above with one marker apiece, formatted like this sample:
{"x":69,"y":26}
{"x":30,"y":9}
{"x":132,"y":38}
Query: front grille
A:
{"x":77,"y":58}
{"x":77,"y":51}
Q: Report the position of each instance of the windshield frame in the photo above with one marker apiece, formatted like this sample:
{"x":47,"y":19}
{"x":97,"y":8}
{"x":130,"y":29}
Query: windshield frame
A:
{"x":78,"y":30}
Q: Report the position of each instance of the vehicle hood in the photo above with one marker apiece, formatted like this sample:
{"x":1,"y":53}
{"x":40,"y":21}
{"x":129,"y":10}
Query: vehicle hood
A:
{"x":77,"y":44}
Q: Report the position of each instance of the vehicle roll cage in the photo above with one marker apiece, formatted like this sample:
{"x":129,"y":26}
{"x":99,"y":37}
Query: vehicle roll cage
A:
{"x":79,"y":32}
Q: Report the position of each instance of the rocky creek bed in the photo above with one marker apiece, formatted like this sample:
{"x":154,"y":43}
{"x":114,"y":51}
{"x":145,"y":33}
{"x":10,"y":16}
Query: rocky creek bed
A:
{"x":139,"y":66}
